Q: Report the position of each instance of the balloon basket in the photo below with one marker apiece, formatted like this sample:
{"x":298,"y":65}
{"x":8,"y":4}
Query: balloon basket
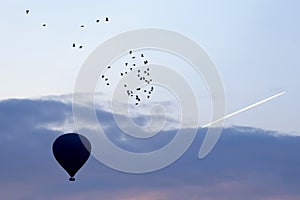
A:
{"x":72,"y":179}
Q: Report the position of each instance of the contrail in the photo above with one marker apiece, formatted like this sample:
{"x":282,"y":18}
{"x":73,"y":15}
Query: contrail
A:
{"x":244,"y":109}
{"x":210,"y":140}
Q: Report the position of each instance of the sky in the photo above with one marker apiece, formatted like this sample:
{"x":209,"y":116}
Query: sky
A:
{"x":247,"y":163}
{"x":254,"y":45}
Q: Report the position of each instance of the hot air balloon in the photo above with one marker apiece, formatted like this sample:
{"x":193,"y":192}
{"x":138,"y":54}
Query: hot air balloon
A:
{"x":71,"y":151}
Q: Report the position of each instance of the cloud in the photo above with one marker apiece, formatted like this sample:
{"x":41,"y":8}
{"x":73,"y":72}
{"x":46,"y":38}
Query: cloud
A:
{"x":247,"y":163}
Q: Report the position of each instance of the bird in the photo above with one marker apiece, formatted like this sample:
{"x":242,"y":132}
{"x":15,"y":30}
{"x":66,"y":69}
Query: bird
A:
{"x":80,"y":47}
{"x":27,"y":12}
{"x":130,"y":52}
{"x":142,"y":55}
{"x":97,"y":20}
{"x":121,"y":74}
{"x":138,"y":88}
{"x":126,"y":64}
{"x":145,"y":62}
{"x":108,"y":67}
{"x":73,"y":45}
{"x":82,"y":26}
{"x":106,"y":19}
{"x":102,"y":76}
{"x":44,"y":25}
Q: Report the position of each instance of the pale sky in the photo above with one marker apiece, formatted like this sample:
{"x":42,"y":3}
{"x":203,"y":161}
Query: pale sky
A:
{"x":254,"y":45}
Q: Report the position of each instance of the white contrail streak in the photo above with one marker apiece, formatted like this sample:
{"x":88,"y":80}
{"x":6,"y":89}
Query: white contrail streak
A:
{"x":244,"y":109}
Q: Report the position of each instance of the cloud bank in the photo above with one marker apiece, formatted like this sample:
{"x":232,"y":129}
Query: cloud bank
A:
{"x":247,"y":163}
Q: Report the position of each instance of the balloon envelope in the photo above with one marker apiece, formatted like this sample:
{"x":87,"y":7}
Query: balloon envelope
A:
{"x":71,"y":151}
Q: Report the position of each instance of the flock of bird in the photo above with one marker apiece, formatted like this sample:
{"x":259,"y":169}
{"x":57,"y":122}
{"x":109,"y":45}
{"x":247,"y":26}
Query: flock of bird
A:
{"x":142,"y":75}
{"x":81,"y":26}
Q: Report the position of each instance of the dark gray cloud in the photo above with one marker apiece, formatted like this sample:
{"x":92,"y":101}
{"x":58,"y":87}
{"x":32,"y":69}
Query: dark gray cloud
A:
{"x":247,"y":163}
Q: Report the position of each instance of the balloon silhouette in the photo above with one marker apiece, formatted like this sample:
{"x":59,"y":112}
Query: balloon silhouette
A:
{"x":71,"y":151}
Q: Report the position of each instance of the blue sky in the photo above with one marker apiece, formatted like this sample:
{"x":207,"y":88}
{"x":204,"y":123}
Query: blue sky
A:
{"x":255,"y":46}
